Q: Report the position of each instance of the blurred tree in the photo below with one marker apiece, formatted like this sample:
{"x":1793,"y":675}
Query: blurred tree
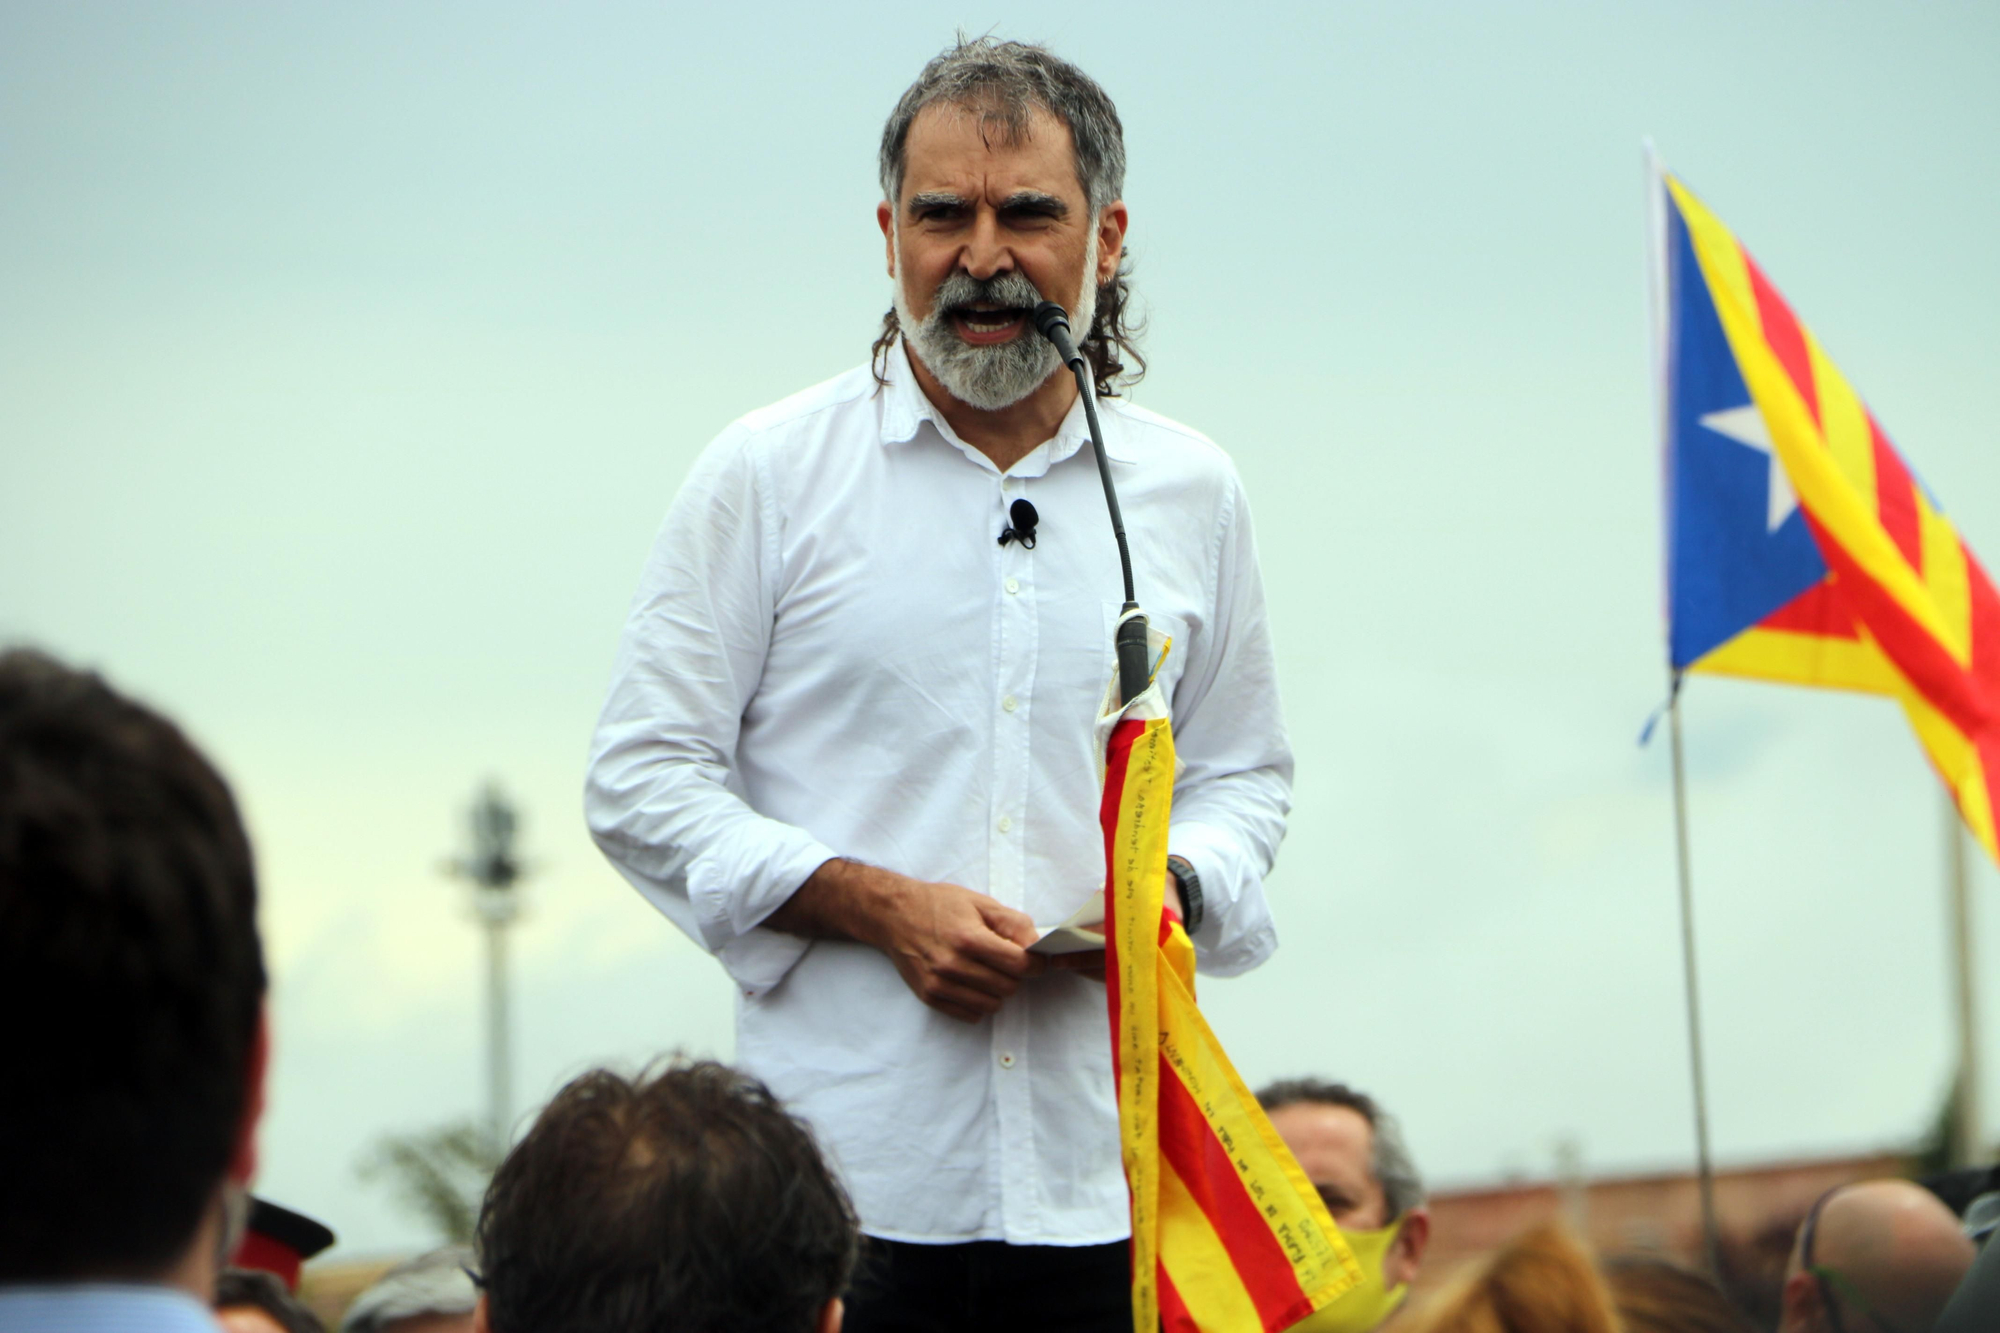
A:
{"x":437,"y":1174}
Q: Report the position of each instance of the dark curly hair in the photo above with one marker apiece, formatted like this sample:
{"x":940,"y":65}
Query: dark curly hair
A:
{"x":683,"y":1199}
{"x":1007,"y":82}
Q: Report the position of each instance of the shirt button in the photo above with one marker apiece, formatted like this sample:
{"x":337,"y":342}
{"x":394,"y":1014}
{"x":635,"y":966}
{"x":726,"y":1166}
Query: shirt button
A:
{"x":1004,"y":824}
{"x":1013,"y":585}
{"x":1006,"y":1059}
{"x":1009,"y":703}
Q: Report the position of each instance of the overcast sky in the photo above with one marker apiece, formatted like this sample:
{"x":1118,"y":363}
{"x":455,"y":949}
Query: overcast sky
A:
{"x":349,"y":356}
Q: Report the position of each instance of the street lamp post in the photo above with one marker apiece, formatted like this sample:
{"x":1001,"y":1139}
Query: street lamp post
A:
{"x":494,"y":870}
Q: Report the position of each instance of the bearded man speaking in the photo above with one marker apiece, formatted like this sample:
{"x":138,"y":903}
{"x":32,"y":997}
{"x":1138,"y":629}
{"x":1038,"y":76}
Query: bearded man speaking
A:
{"x":848,"y":743}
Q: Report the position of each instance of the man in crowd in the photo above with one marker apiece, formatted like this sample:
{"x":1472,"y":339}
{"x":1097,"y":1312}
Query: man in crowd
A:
{"x":682,"y":1199}
{"x":848,"y":743}
{"x":1876,"y":1255}
{"x":432,"y":1293}
{"x":1353,"y":1152}
{"x":133,"y":981}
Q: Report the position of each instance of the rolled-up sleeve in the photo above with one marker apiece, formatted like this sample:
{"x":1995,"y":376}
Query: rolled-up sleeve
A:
{"x":1235,"y":785}
{"x":662,"y":797}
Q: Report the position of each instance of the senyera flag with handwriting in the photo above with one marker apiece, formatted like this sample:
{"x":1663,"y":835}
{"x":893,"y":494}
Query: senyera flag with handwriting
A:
{"x":1800,"y":546}
{"x":1227,"y":1232}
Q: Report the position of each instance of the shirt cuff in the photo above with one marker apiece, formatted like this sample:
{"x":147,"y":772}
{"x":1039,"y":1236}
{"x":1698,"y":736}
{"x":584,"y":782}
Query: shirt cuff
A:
{"x":730,"y":904}
{"x":1237,"y":932}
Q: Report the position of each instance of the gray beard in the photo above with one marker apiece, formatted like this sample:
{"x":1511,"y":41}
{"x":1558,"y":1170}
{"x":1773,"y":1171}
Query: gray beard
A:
{"x":1000,"y":375}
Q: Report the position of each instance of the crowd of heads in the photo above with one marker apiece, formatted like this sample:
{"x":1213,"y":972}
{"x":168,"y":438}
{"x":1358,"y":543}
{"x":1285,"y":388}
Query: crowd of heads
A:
{"x":685,"y":1196}
{"x":1875,"y":1256}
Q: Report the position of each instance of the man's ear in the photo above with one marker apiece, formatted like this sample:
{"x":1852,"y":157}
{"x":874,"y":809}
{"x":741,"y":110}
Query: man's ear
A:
{"x":885,"y":218}
{"x":1112,"y":220}
{"x":1799,"y":1305}
{"x":1406,"y":1254}
{"x":829,"y":1318}
{"x":479,"y":1321}
{"x":243,"y":1156}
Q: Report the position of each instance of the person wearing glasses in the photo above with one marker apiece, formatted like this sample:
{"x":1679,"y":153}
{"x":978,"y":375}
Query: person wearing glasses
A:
{"x":1876,"y":1256}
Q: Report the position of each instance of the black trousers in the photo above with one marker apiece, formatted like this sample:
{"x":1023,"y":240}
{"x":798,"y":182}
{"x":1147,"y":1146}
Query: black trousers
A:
{"x":988,"y":1284}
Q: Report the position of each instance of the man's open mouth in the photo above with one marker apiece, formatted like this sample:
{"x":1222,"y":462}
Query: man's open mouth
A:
{"x":983,"y":318}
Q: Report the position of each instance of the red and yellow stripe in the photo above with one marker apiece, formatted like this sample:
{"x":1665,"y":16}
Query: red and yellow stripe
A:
{"x":1906,"y":609}
{"x":1227,"y":1232}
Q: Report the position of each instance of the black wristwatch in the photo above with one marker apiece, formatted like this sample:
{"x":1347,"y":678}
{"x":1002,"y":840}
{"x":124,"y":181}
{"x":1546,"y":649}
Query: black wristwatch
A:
{"x":1191,"y":902}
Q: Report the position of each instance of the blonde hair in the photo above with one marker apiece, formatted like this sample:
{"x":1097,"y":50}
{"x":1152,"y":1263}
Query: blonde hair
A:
{"x":1542,"y":1281}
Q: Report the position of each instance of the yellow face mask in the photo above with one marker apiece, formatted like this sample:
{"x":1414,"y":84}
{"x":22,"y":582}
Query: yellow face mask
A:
{"x":1370,"y":1303}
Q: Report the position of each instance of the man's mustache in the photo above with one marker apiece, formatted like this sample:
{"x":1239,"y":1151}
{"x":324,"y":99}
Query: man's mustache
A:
{"x":1011,"y":290}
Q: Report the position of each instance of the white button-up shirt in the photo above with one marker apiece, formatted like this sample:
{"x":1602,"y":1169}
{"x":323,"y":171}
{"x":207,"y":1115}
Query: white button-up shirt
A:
{"x":832,"y":655}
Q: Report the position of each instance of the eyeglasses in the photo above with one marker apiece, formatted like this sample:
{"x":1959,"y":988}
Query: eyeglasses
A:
{"x":1834,"y":1288}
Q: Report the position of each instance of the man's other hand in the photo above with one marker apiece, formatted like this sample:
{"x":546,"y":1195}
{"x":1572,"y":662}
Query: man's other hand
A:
{"x":962,"y":953}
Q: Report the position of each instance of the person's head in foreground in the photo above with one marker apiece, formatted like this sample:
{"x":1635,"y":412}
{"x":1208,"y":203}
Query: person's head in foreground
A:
{"x":249,"y":1300}
{"x":1003,"y":171}
{"x":1543,"y":1281}
{"x":683,"y":1199}
{"x":1655,"y":1295}
{"x":1878,"y":1256}
{"x":1353,"y":1152}
{"x":432,"y":1293}
{"x":133,"y":981}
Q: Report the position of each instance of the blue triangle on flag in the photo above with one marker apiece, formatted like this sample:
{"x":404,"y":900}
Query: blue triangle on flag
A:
{"x":1727,"y":568}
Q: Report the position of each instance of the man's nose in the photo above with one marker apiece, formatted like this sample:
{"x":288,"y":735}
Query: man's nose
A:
{"x":986,"y":253}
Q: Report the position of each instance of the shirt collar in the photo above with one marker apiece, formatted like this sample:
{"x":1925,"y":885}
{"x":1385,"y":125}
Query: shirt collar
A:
{"x":905,"y":411}
{"x":102,"y":1307}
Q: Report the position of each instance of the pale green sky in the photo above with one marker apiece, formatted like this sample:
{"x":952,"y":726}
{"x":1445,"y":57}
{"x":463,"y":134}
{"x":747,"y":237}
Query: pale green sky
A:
{"x":349,"y":356}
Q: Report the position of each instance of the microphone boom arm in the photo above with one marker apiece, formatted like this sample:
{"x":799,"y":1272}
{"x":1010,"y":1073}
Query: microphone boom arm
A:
{"x":1134,"y":670}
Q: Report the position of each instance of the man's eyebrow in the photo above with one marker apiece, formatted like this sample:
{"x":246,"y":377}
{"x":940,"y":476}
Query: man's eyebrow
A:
{"x":1047,"y":203}
{"x":935,"y":199}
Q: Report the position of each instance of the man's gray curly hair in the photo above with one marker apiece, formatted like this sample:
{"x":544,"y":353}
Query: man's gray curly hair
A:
{"x":1006,"y":83}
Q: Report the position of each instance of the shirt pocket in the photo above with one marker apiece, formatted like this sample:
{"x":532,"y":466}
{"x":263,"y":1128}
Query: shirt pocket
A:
{"x":1172,"y":626}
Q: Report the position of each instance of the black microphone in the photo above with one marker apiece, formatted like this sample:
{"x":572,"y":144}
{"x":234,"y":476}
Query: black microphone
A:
{"x":1021,"y":527}
{"x":1134,"y":668}
{"x":1053,"y":321}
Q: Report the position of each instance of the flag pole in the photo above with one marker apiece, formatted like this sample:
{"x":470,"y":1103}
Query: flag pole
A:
{"x":1704,"y":1164}
{"x":1656,"y":290}
{"x":1965,"y":1148}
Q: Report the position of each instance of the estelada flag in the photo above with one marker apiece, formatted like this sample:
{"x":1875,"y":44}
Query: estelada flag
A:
{"x":1800,"y":547}
{"x":1227,"y":1232}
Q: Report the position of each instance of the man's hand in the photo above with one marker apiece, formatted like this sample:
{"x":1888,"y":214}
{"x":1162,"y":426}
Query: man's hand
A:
{"x":962,"y":953}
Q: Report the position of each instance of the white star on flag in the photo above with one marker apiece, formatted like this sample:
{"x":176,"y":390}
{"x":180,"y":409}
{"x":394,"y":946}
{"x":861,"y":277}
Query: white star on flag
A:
{"x":1745,"y":425}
